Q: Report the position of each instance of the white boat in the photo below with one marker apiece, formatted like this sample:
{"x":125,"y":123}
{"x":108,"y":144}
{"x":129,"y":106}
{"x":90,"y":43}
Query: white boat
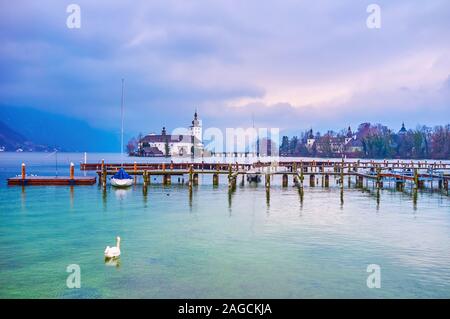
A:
{"x":121,"y":178}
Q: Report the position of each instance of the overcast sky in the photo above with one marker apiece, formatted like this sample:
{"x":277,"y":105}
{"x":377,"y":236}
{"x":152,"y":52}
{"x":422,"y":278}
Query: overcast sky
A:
{"x":294,"y":64}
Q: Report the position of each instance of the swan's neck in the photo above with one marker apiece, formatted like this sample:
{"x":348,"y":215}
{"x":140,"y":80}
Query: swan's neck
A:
{"x":118,"y":243}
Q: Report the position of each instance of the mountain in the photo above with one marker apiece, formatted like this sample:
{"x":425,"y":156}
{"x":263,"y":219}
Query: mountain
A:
{"x":11,"y":140}
{"x":38,"y":128}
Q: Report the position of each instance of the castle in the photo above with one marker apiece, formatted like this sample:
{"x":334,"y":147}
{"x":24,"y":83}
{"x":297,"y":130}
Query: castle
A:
{"x":164,"y":144}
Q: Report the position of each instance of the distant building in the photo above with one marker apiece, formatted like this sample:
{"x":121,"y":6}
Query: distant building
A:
{"x":354,"y":146}
{"x":403,"y":130}
{"x":173,"y":145}
{"x":350,"y":136}
{"x":328,"y":144}
{"x":310,"y":139}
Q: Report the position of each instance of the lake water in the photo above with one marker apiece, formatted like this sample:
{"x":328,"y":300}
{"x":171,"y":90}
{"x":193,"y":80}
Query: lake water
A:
{"x":214,"y":244}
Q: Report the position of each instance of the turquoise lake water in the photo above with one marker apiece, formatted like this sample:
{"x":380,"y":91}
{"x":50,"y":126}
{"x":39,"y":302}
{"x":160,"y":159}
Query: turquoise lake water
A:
{"x":216,"y":244}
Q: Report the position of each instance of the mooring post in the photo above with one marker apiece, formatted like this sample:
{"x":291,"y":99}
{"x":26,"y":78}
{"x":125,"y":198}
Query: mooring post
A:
{"x":145,"y":178}
{"x":267,"y":180}
{"x":167,"y":179}
{"x":191,"y":172}
{"x":100,"y":180}
{"x":196,"y":179}
{"x":301,"y":173}
{"x":24,"y":174}
{"x":230,"y":183}
{"x":72,"y":170}
{"x":312,"y":180}
{"x":399,"y":184}
{"x":215,"y":179}
{"x":135,"y":172}
{"x":285,"y":180}
{"x":416,"y":179}
{"x":327,"y":180}
{"x":379,"y":180}
{"x":104,"y":174}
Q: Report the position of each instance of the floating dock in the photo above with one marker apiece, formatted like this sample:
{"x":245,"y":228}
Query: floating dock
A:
{"x":24,"y":180}
{"x":52,"y":180}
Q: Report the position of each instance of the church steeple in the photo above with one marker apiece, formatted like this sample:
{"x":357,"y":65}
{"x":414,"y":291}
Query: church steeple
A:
{"x":349,"y":132}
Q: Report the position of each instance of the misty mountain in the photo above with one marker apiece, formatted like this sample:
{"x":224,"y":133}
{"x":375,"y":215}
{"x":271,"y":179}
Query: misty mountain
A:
{"x":38,"y":127}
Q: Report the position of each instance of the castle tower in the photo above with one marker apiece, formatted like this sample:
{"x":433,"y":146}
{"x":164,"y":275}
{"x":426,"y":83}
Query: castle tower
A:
{"x":349,"y":135}
{"x":310,"y":140}
{"x":196,"y":129}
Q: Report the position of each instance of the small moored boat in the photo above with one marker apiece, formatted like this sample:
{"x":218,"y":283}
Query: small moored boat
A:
{"x":121,"y":179}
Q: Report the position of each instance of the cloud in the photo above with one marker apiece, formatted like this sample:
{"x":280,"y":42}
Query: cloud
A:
{"x":292,"y":64}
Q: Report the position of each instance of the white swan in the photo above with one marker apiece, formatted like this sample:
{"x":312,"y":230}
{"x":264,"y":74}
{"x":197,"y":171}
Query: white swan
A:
{"x":112,"y":252}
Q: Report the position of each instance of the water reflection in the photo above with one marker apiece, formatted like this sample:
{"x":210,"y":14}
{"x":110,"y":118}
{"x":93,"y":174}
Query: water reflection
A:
{"x":122,"y":193}
{"x":300,"y":194}
{"x":190,"y":198}
{"x":112,"y":262}
{"x":415,"y":199}
{"x":378,"y":199}
{"x":23,"y":197}
{"x":71,"y":196}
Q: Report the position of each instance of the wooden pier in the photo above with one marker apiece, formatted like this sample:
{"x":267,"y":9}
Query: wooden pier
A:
{"x":416,"y":173}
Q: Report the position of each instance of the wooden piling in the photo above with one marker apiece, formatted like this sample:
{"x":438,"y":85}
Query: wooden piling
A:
{"x":191,"y":173}
{"x":215,"y":179}
{"x":72,"y":171}
{"x":24,"y":174}
{"x":285,"y":180}
{"x":416,"y":179}
{"x":312,"y":180}
{"x":327,"y":180}
{"x":195,"y":179}
{"x":167,"y":179}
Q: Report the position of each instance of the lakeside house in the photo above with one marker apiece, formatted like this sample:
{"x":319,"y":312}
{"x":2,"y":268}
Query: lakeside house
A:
{"x":328,"y":144}
{"x":154,"y":145}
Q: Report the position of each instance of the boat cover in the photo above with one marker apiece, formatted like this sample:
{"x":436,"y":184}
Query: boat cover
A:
{"x":121,"y":174}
